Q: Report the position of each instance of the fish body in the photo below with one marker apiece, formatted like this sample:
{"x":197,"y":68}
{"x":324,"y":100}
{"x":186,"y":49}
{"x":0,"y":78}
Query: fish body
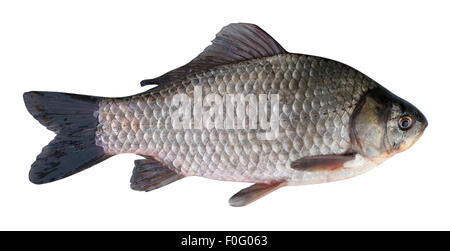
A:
{"x":244,"y":110}
{"x":316,"y":99}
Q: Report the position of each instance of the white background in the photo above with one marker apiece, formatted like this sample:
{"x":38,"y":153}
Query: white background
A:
{"x":105,"y":48}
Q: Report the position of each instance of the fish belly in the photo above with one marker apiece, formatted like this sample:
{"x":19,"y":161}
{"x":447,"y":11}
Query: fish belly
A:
{"x":316,"y":98}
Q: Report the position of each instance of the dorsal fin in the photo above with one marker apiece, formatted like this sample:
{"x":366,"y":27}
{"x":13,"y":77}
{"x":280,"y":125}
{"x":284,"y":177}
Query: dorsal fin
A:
{"x":234,"y":43}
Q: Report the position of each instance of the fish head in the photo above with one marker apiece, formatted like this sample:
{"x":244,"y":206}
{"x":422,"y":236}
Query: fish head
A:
{"x":383,"y":124}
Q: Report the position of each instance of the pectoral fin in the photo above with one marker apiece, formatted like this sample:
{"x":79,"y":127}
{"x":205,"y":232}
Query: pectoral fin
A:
{"x":150,"y":174}
{"x":322,"y":162}
{"x":252,"y":193}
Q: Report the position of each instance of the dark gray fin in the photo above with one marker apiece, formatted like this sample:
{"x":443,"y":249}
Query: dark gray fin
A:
{"x":322,"y":162}
{"x":150,"y":174}
{"x":252,"y":193}
{"x":234,"y":43}
{"x":74,"y":119}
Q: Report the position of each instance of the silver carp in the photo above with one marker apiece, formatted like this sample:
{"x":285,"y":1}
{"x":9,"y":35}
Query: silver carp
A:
{"x":243,"y":110}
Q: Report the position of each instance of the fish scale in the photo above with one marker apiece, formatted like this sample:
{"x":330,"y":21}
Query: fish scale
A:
{"x":312,"y":122}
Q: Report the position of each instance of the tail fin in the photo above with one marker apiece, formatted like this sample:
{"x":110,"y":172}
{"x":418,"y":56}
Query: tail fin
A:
{"x":74,"y":118}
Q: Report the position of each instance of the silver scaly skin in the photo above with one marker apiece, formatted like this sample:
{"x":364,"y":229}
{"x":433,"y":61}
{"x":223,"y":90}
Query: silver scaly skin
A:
{"x":317,"y":97}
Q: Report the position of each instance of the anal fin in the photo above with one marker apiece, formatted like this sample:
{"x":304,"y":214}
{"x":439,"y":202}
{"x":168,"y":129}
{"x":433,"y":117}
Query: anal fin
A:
{"x":150,"y":174}
{"x":252,"y":193}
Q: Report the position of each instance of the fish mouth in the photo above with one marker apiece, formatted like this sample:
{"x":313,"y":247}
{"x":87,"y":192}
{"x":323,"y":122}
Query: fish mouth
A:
{"x":410,"y":142}
{"x":425,"y":124}
{"x":407,"y":144}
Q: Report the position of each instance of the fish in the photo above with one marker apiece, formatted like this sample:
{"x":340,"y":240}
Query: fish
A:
{"x":243,"y":110}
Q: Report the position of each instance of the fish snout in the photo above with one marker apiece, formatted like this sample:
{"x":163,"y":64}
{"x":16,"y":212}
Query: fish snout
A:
{"x":423,"y":120}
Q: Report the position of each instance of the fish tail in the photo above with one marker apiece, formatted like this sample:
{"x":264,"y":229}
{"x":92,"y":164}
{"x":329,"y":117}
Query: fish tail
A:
{"x":74,"y":119}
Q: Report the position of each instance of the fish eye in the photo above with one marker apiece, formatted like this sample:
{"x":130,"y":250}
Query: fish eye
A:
{"x":405,"y":122}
